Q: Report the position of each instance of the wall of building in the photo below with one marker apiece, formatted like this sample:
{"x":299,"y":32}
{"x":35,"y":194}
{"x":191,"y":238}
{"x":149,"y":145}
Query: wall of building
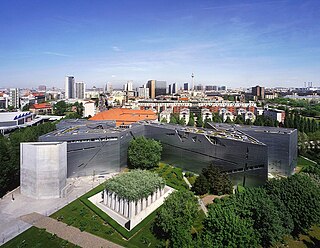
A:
{"x":43,"y":169}
{"x":193,"y":152}
{"x":282,"y":146}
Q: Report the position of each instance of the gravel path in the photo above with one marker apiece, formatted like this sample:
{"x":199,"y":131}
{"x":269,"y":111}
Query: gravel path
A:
{"x":70,"y":233}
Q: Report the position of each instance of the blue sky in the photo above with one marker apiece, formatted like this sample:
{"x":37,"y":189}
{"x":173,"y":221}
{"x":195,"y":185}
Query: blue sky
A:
{"x":234,"y":43}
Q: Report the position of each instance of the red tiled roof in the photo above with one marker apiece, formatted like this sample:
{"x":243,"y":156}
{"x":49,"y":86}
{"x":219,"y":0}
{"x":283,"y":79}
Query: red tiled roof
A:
{"x":41,"y":106}
{"x":125,"y":116}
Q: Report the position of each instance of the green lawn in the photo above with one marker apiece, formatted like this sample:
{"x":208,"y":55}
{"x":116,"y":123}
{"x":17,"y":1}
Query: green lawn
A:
{"x":172,"y":175}
{"x":79,"y":215}
{"x":35,"y":237}
{"x":303,"y":163}
{"x":311,"y":239}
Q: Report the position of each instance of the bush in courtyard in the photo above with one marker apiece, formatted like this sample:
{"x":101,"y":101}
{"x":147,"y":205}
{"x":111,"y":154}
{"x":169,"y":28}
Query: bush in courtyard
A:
{"x":144,"y":153}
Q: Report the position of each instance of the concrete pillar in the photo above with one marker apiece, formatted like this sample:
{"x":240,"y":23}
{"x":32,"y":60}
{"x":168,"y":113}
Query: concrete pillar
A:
{"x":125,"y":208}
{"x":114,"y":201}
{"x":149,"y":200}
{"x":118,"y":204}
{"x":130,"y":210}
{"x":121,"y":206}
{"x":138,"y":207}
{"x":105,"y":200}
{"x":110,"y":199}
{"x":144,"y":203}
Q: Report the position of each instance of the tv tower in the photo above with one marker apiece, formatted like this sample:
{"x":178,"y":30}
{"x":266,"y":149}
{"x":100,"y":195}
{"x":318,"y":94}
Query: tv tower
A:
{"x":192,"y":76}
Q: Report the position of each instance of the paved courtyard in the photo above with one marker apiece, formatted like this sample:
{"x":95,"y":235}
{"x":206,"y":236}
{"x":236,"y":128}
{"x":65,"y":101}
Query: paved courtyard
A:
{"x":11,"y":210}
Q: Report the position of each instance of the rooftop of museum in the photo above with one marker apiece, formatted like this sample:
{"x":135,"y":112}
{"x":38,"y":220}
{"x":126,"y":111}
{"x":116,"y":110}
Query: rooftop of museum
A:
{"x":76,"y":130}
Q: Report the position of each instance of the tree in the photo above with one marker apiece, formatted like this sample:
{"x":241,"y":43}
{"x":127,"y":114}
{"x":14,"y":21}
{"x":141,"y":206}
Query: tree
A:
{"x":224,"y":228}
{"x":164,"y":120}
{"x":26,"y":107}
{"x":239,"y":120}
{"x":228,"y":120}
{"x":174,"y":119}
{"x":201,"y":185}
{"x":144,"y":153}
{"x":255,"y":204}
{"x":191,"y":120}
{"x":301,"y":197}
{"x":219,"y":183}
{"x":176,"y":216}
{"x":60,"y":108}
{"x":199,"y":121}
{"x":182,"y":121}
{"x":79,"y":109}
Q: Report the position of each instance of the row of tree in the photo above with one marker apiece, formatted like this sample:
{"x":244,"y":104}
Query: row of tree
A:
{"x":303,"y":124}
{"x":216,"y":118}
{"x":256,"y":217}
{"x":10,"y":154}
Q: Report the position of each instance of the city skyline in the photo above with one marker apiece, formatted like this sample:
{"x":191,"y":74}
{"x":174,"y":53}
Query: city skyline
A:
{"x":270,"y":43}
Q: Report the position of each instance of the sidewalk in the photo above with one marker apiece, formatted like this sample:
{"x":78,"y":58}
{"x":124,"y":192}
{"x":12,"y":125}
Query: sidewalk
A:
{"x":69,"y":233}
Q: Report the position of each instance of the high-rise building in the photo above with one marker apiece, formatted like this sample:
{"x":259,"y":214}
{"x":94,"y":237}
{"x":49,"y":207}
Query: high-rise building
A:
{"x":209,"y":87}
{"x":69,"y":87}
{"x":170,"y":90}
{"x":186,"y":86}
{"x":174,"y":88}
{"x":80,"y":88}
{"x":156,"y":88}
{"x":108,"y":88}
{"x":128,"y":86}
{"x":199,"y":87}
{"x":160,"y":88}
{"x":42,"y":88}
{"x":15,"y":98}
{"x":258,"y":92}
{"x":151,"y":84}
{"x":143,"y":92}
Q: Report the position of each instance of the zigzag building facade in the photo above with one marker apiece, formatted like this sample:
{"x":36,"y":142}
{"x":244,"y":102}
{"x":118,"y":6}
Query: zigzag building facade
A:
{"x":99,"y":147}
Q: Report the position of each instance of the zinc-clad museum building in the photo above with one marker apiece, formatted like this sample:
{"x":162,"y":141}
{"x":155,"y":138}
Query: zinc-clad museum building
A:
{"x":247,"y":155}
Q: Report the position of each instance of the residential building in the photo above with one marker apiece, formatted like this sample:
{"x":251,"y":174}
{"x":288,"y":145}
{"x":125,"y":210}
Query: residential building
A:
{"x":41,"y":109}
{"x":275,"y":114}
{"x":185,"y":114}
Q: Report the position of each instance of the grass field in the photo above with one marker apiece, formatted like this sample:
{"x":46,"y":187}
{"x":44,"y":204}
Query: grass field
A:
{"x":172,"y":175}
{"x":303,"y":163}
{"x":35,"y":237}
{"x":79,"y":215}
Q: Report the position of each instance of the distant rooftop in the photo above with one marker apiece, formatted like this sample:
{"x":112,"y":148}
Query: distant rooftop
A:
{"x":125,"y":116}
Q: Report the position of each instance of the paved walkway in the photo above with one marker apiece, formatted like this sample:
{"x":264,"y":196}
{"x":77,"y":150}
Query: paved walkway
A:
{"x":70,"y":233}
{"x":203,"y":207}
{"x":10,"y":210}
